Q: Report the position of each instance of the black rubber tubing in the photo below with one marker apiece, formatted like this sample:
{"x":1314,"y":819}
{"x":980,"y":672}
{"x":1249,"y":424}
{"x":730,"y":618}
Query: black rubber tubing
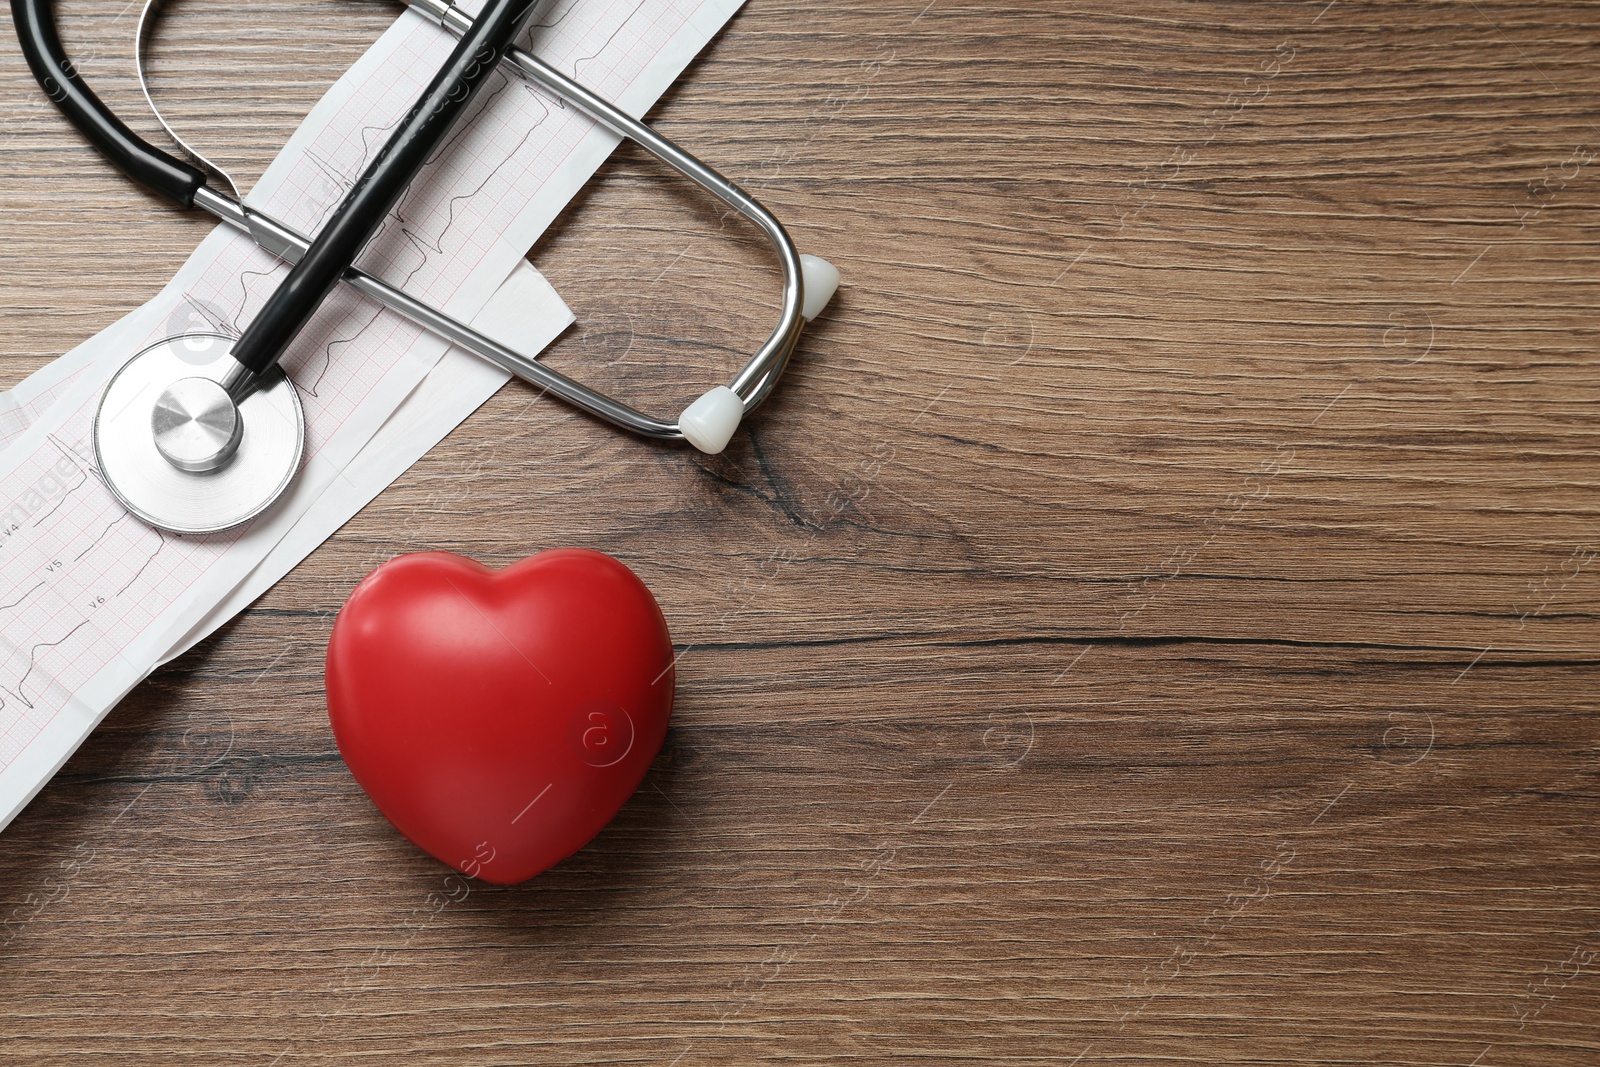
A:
{"x":141,"y":160}
{"x":294,"y":302}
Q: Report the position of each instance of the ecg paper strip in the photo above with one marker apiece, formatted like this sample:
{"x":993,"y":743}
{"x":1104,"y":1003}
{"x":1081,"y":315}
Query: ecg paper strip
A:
{"x":91,"y":599}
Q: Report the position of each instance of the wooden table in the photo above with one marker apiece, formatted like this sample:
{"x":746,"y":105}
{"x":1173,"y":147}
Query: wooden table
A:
{"x":1155,"y":621}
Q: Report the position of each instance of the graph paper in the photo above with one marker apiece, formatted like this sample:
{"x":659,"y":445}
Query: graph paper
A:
{"x":90,"y":598}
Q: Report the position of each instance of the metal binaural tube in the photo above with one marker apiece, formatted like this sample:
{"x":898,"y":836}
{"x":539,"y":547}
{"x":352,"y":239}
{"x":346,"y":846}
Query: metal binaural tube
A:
{"x":756,"y":381}
{"x":288,"y":245}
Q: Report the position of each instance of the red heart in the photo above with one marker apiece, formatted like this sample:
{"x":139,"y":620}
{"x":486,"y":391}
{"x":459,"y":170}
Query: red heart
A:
{"x":499,"y":720}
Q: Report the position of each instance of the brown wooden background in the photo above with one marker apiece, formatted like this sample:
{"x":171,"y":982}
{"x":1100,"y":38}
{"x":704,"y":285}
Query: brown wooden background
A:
{"x":1154,"y":623}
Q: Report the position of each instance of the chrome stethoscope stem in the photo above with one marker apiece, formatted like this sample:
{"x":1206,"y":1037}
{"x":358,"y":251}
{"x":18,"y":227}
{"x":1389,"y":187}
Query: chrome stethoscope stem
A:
{"x":288,"y":245}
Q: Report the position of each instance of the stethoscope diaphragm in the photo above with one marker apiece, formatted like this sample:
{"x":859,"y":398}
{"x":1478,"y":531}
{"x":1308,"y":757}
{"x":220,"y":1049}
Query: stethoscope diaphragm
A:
{"x":164,"y":418}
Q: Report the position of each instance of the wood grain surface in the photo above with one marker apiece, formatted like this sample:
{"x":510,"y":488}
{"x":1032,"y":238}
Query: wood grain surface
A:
{"x":1154,"y":622}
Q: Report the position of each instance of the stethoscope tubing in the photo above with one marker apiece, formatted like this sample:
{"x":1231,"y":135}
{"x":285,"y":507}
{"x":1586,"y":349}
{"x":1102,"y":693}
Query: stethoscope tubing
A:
{"x":363,"y":210}
{"x":186,"y":185}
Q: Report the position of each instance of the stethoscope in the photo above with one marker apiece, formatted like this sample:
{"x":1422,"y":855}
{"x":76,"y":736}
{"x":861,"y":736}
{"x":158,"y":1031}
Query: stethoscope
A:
{"x":202,"y":433}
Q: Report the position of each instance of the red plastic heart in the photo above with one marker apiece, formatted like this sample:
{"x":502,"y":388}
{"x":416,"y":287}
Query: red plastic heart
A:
{"x":500,"y":719}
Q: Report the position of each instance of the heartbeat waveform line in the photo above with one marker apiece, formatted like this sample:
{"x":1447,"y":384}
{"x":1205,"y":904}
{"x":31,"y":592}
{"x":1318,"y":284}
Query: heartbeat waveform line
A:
{"x":335,"y":178}
{"x":227,"y":329}
{"x":161,"y":542}
{"x":397,"y":220}
{"x":417,"y":246}
{"x":18,"y":691}
{"x":571,"y":6}
{"x":15,"y":603}
{"x":366,"y":145}
{"x":62,"y":499}
{"x":78,"y":458}
{"x":327,"y":353}
{"x":345,"y":181}
{"x":454,"y":202}
{"x":244,"y":294}
{"x":102,"y":535}
{"x":529,"y":44}
{"x":463,"y":126}
{"x":419,"y":190}
{"x":83,"y":477}
{"x":576,"y":63}
{"x":394,"y":222}
{"x":413,"y":239}
{"x":414,"y":232}
{"x":33,"y":661}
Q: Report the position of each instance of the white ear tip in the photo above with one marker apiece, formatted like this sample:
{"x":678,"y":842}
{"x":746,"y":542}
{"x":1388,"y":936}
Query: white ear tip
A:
{"x":821,"y":280}
{"x":709,"y":422}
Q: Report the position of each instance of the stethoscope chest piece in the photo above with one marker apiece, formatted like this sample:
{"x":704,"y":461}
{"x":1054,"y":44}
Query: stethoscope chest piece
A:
{"x":176,"y":450}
